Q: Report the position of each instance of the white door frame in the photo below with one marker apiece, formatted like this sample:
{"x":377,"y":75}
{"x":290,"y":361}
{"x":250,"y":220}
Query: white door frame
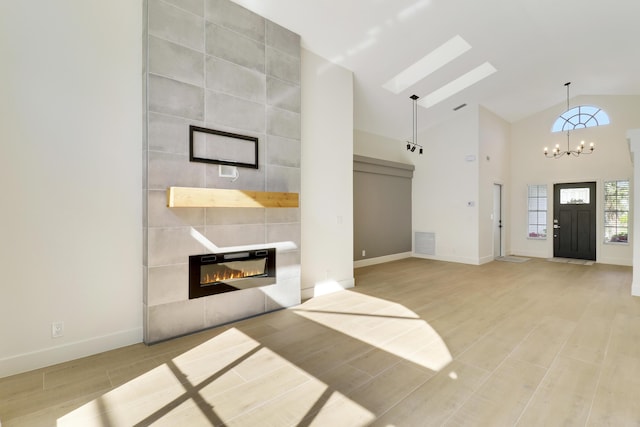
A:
{"x":498,"y":224}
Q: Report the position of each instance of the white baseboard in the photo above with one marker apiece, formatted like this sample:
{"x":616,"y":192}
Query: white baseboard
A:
{"x":615,"y":261}
{"x":460,"y":260}
{"x":381,"y":259}
{"x":635,"y":287}
{"x":63,"y":353}
{"x":486,"y":259}
{"x":327,"y":287}
{"x":531,"y":254}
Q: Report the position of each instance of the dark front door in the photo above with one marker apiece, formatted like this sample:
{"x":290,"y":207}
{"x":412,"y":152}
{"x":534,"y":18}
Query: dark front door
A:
{"x":574,"y":220}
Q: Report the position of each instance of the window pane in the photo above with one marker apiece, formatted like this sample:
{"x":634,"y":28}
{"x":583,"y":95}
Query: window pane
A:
{"x":610,"y":219}
{"x":574,"y":196}
{"x":602,"y":118}
{"x":543,"y":204}
{"x":537,"y":211}
{"x":542,"y":191}
{"x":616,"y":211}
{"x":542,"y":218}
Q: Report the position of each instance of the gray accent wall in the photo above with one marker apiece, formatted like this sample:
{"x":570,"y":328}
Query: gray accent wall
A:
{"x":381,"y":207}
{"x":214,"y":64}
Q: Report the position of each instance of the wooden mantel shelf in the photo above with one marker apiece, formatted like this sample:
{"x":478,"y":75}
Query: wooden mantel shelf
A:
{"x":190,"y":197}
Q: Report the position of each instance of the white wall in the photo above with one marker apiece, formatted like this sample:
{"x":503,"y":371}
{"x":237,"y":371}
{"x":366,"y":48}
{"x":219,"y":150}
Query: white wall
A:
{"x":633,"y":136}
{"x":452,"y":172}
{"x":326,"y":199}
{"x":380,"y":147}
{"x":493,"y":161}
{"x":610,"y":161}
{"x":445,"y":183}
{"x":71,"y":220}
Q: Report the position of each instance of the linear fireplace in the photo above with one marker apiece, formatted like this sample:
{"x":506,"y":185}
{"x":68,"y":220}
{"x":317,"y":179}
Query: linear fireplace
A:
{"x":232,"y":271}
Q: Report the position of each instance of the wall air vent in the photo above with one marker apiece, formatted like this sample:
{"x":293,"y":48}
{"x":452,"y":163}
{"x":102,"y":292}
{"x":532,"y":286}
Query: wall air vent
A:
{"x":425,"y":243}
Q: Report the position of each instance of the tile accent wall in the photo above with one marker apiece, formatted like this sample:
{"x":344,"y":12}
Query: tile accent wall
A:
{"x":214,"y":64}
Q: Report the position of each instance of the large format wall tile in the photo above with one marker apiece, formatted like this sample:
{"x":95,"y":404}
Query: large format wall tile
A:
{"x":173,"y":245}
{"x":283,"y":151}
{"x":283,"y":123}
{"x":176,"y":98}
{"x":225,"y":236}
{"x":285,"y":294}
{"x":235,"y":112}
{"x":284,"y":233}
{"x":282,"y":39}
{"x":177,"y":25}
{"x":193,"y":6}
{"x":165,"y":284}
{"x":161,"y":216}
{"x":175,"y":61}
{"x":231,"y":79}
{"x":283,"y":66}
{"x":283,"y":179}
{"x":167,"y":170}
{"x":227,"y":216}
{"x":283,"y":95}
{"x":175,"y":319}
{"x":275,"y":216}
{"x":288,"y":265}
{"x":230,"y":306}
{"x":229,"y":45}
{"x":236,"y":18}
{"x":169,"y":134}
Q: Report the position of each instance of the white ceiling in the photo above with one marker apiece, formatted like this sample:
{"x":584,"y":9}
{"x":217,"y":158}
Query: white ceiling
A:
{"x":536,"y":46}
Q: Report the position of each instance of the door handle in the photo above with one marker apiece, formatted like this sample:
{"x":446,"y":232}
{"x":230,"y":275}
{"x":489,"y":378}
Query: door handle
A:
{"x":556,"y":226}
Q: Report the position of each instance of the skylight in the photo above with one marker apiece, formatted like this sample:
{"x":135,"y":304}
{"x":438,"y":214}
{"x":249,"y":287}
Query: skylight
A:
{"x":582,"y":116}
{"x":457,"y":85}
{"x":435,"y":60}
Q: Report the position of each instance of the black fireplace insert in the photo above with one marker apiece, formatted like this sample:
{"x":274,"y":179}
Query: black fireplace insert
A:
{"x":211,"y":274}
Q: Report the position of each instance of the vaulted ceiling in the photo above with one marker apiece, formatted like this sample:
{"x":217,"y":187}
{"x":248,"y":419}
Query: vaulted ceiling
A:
{"x":535,"y":45}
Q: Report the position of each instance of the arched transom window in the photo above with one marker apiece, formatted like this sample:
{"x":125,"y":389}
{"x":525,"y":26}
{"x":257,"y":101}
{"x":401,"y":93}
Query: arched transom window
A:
{"x":582,"y":116}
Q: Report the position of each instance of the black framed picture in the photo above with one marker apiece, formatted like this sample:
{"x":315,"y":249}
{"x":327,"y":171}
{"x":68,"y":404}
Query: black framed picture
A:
{"x":223,"y":148}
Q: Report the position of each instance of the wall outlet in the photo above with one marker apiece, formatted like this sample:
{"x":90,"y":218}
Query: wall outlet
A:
{"x":364,"y":253}
{"x":57,"y":329}
{"x":226,"y":171}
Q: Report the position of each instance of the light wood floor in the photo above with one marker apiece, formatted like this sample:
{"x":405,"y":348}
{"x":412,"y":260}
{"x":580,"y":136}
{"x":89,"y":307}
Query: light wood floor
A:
{"x":416,"y":343}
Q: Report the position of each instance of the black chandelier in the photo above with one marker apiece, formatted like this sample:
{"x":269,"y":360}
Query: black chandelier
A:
{"x":580,"y":149}
{"x":412,"y":145}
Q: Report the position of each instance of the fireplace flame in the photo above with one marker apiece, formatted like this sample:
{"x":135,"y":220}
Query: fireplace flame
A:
{"x":227,"y":274}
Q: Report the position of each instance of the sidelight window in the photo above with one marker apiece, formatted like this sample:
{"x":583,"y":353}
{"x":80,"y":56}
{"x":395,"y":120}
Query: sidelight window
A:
{"x":537,"y":211}
{"x":616,"y":211}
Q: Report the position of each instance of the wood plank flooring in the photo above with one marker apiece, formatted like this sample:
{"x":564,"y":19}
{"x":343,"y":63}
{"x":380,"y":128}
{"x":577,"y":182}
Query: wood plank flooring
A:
{"x":416,"y":343}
